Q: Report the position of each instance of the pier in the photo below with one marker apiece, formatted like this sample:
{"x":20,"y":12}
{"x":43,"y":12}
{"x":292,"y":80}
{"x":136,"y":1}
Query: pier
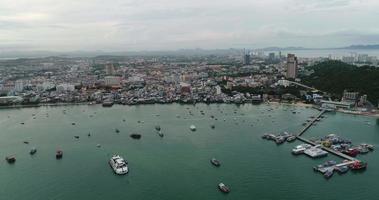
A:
{"x":336,"y":153}
{"x":311,"y":123}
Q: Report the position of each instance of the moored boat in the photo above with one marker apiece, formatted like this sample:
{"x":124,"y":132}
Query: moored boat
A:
{"x":33,"y":151}
{"x":119,"y":165}
{"x":10,"y":159}
{"x":59,"y":154}
{"x":358,"y":165}
{"x":135,"y":136}
{"x":328,"y":174}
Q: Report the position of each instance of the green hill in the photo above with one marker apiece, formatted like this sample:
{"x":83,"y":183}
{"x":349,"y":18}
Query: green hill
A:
{"x":336,"y":76}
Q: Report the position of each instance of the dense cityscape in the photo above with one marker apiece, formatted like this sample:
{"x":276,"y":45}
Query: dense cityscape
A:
{"x":239,"y":77}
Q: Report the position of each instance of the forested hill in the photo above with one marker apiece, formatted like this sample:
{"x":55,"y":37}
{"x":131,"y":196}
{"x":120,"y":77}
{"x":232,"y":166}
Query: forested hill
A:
{"x":335,"y":76}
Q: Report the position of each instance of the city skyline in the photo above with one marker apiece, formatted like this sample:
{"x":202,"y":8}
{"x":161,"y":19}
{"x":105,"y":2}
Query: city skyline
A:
{"x":171,"y":25}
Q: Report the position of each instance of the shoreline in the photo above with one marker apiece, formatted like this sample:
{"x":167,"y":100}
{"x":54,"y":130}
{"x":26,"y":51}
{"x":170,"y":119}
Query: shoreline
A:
{"x":297,"y":104}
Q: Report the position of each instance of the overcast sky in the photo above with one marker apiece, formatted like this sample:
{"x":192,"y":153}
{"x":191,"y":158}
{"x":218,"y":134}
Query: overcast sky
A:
{"x":121,"y":25}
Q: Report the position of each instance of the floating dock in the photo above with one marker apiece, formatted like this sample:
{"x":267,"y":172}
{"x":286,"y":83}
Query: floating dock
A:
{"x":336,"y":153}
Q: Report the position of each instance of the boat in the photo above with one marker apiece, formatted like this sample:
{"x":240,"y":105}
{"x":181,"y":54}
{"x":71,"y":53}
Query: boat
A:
{"x":98,"y":145}
{"x":135,"y":136}
{"x":368,"y":146}
{"x":358,"y":165}
{"x":33,"y":151}
{"x":291,"y":138}
{"x":107,"y":103}
{"x":328,"y":174}
{"x":157,"y":127}
{"x":160,"y":134}
{"x":116,"y":130}
{"x":193,"y":128}
{"x":76,"y":136}
{"x":26,"y":142}
{"x":10,"y":159}
{"x":223,"y":188}
{"x":89,"y":134}
{"x":215,"y":162}
{"x":73,"y":123}
{"x":59,"y":154}
{"x":280,"y":140}
{"x":341,"y":169}
{"x":351,"y":152}
{"x":300,"y":149}
{"x":213,"y":126}
{"x":119,"y":165}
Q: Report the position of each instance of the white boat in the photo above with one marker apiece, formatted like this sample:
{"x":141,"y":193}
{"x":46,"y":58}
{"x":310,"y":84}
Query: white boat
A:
{"x":193,"y":128}
{"x":301,"y":148}
{"x":119,"y":165}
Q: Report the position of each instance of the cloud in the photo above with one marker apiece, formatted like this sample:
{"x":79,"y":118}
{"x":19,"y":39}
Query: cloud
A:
{"x":173,"y":24}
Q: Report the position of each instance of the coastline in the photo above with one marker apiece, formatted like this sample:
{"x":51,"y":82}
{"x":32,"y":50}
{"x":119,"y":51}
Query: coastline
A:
{"x":296,"y":104}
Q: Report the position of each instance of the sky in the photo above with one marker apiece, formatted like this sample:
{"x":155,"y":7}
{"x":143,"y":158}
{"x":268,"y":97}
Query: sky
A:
{"x":135,"y":25}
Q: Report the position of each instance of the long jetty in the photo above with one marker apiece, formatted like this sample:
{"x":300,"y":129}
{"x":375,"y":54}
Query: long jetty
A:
{"x":299,"y":137}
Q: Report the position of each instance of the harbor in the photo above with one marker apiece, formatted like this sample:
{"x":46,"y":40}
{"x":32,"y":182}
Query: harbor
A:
{"x":321,"y":148}
{"x":180,"y":160}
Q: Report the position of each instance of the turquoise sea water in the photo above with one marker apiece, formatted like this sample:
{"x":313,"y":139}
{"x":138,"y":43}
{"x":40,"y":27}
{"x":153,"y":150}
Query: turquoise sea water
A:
{"x":176,"y":166}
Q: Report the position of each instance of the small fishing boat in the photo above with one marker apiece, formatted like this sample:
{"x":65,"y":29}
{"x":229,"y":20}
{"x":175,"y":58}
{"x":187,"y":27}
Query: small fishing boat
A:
{"x":193,"y":128}
{"x":59,"y":154}
{"x":89,"y":134}
{"x":160,"y":134}
{"x":98,"y":145}
{"x":73,"y":123}
{"x":10,"y":159}
{"x":157,"y":127}
{"x":116,"y":130}
{"x":215,"y":162}
{"x":213,"y":126}
{"x":76,"y":136}
{"x":135,"y":136}
{"x":26,"y":142}
{"x":223,"y":188}
{"x":33,"y":151}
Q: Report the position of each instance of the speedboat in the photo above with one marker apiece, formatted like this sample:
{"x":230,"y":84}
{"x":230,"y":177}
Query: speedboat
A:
{"x":223,"y":188}
{"x":33,"y":151}
{"x":59,"y":154}
{"x":119,"y":165}
{"x":215,"y":162}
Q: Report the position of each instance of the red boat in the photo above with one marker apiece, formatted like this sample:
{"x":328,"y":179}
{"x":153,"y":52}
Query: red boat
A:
{"x":351,"y":152}
{"x":357,"y":165}
{"x":59,"y":154}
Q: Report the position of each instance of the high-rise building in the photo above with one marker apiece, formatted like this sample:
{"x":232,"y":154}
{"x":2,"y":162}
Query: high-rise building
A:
{"x":109,"y":69}
{"x":291,"y":66}
{"x":246,"y":58}
{"x":271,"y":57}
